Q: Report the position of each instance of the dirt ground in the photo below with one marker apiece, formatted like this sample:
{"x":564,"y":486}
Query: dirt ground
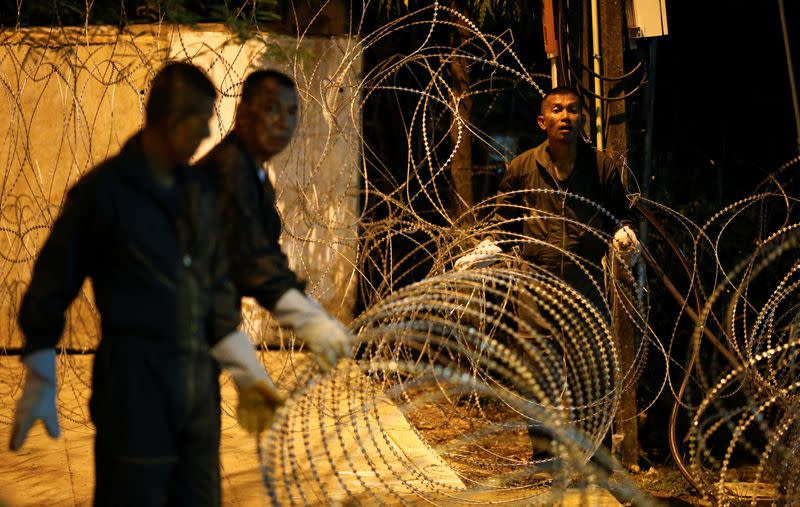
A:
{"x":442,"y":423}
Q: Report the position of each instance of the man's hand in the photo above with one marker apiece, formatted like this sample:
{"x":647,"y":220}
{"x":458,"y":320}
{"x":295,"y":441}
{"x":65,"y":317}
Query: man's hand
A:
{"x":257,"y":405}
{"x":258,"y":396}
{"x":485,"y":254}
{"x":38,"y":398}
{"x":626,"y":244}
{"x":327,"y":338}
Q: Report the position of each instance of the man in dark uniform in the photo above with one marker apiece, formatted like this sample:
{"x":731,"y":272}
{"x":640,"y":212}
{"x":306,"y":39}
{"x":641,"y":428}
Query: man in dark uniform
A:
{"x":555,"y":231}
{"x":551,"y":225}
{"x":265,"y":121}
{"x":565,"y":163}
{"x":145,"y":230}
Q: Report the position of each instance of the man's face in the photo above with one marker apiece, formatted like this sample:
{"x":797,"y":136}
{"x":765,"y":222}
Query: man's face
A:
{"x":561,"y":117}
{"x":271,"y":117}
{"x":187,"y":129}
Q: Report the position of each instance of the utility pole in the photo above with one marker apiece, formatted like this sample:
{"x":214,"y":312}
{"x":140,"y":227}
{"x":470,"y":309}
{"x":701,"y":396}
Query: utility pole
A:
{"x":612,"y":39}
{"x":790,"y":69}
{"x":615,"y":135}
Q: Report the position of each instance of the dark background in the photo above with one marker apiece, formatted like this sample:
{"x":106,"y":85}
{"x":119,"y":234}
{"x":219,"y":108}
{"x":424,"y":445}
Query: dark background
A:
{"x":724,"y":117}
{"x":722,"y":109}
{"x":723,"y":122}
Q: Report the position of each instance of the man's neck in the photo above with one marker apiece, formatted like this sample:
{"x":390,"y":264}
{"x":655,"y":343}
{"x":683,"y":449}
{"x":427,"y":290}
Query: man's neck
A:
{"x":159,"y":163}
{"x":563,"y":157}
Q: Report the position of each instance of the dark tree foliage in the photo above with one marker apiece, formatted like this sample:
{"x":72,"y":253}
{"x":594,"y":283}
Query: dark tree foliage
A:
{"x":237,"y":13}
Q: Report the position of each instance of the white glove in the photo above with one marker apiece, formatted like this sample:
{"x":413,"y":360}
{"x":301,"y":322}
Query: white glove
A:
{"x":259,"y":398}
{"x":237,"y":354}
{"x":38,"y":398}
{"x":327,"y":338}
{"x":626,"y":244}
{"x":485,"y":254}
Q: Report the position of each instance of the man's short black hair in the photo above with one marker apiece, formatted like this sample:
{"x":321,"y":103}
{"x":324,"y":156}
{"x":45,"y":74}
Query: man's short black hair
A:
{"x":563,"y":90}
{"x":168,"y":91}
{"x":253,"y":81}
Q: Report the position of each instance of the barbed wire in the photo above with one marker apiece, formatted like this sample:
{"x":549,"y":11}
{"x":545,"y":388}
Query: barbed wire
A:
{"x":446,"y":360}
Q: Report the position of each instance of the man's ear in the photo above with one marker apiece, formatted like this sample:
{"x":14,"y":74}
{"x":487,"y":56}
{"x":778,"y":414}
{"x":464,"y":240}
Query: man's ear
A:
{"x":540,"y":121}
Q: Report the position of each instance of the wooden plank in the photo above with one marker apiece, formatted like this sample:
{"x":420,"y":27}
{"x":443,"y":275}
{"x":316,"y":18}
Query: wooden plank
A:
{"x":346,"y":439}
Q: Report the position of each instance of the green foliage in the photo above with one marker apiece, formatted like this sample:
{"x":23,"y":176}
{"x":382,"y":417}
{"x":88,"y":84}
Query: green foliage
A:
{"x":283,"y":54}
{"x":242,"y":16}
{"x":250,"y":15}
{"x":485,"y":12}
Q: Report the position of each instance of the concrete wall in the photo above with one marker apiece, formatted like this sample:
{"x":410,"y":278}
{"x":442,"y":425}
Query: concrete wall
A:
{"x":71,"y":97}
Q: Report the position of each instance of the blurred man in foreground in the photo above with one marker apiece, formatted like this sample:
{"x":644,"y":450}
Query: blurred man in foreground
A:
{"x":144,"y":229}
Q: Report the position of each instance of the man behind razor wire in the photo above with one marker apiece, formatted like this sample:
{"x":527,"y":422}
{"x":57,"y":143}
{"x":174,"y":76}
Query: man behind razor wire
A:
{"x":551,"y":229}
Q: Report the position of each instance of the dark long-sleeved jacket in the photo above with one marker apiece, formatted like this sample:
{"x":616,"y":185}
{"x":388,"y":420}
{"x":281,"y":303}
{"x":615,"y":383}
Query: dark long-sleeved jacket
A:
{"x":594,"y":176}
{"x":259,"y":268}
{"x":156,"y":264}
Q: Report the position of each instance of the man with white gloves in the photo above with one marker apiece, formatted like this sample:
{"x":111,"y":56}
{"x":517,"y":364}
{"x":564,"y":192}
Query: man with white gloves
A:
{"x":146,"y":231}
{"x":39,"y":399}
{"x":533,"y":196}
{"x":265,"y":121}
{"x":544,"y":200}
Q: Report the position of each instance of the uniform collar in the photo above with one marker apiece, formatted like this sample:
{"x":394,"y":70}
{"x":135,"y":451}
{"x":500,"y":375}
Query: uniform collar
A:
{"x":542,"y":156}
{"x":257,"y":170}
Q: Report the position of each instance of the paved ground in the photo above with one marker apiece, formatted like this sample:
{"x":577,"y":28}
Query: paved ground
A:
{"x":60,"y":472}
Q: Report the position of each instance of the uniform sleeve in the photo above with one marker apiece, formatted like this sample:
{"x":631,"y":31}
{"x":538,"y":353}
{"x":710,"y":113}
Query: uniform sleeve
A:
{"x":509,"y":182}
{"x":226,"y":312}
{"x":509,"y":208}
{"x":267,"y":276}
{"x":257,"y":266}
{"x":59,"y":271}
{"x":616,"y":200}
